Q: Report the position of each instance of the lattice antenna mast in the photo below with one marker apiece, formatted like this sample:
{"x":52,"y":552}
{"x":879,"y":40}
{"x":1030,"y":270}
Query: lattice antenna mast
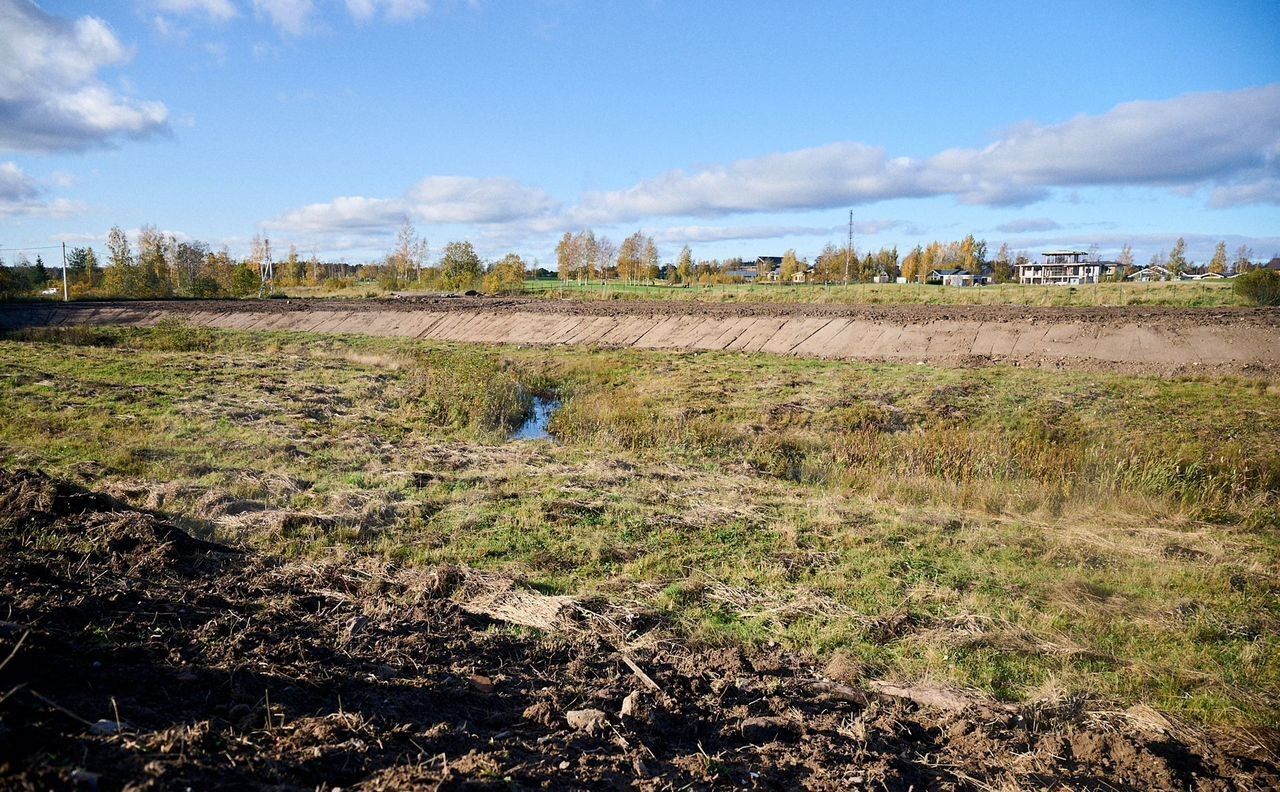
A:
{"x":268,"y":269}
{"x":848,"y":251}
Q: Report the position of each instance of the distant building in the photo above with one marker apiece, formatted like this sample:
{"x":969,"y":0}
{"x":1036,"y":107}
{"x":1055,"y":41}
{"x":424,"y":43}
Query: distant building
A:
{"x":767,"y":265}
{"x":954,"y":276}
{"x":1066,"y":267}
{"x":1149,"y":273}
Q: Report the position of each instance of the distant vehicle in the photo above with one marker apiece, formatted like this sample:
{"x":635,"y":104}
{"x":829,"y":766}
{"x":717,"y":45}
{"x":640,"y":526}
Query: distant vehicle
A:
{"x":51,"y":290}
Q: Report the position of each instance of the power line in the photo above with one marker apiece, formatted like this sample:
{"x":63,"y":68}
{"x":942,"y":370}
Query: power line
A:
{"x":38,"y":247}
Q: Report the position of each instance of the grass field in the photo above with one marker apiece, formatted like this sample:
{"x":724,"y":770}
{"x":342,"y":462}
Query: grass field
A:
{"x":1022,"y":533}
{"x":1197,"y":294}
{"x":1192,"y":294}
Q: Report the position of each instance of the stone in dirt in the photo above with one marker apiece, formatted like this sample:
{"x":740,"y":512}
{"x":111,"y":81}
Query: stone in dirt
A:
{"x":629,"y":704}
{"x":587,"y":720}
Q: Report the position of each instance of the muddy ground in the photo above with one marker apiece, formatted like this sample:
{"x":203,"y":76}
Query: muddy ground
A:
{"x":141,"y":657}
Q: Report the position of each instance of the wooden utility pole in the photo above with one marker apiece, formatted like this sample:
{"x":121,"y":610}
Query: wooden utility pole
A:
{"x":66,"y":296}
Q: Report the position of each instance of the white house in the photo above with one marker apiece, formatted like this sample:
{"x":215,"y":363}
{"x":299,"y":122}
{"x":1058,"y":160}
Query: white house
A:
{"x":954,"y":276}
{"x":1067,"y":267}
{"x":1153,"y":272}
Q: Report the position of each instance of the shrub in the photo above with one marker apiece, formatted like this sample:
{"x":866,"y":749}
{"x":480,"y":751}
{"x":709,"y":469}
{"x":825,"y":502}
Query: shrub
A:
{"x":1260,"y":287}
{"x":205,"y":287}
{"x":244,"y":281}
{"x":468,"y":388}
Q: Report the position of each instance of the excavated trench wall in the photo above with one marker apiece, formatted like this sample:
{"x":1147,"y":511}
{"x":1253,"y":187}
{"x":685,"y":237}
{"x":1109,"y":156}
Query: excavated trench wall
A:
{"x":1162,"y":341}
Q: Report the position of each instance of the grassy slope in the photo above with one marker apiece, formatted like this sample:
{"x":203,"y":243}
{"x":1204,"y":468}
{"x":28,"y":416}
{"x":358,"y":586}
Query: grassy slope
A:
{"x":1021,"y":532}
{"x":1197,"y":294}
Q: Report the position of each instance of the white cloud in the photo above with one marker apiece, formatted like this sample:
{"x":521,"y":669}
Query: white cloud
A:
{"x":812,"y":178}
{"x":435,"y":199}
{"x":290,"y":16}
{"x":1261,"y":190}
{"x":715,"y":233}
{"x":344,"y":214}
{"x":1229,"y":137}
{"x":392,"y":9}
{"x":464,"y":199}
{"x":16,"y":185}
{"x":1025,"y":225}
{"x":79,"y":238}
{"x":22,"y":195}
{"x":221,"y":10}
{"x":1199,"y":246}
{"x":50,"y":97}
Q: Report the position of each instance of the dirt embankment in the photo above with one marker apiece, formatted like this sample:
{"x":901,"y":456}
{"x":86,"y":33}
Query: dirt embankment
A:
{"x":132,"y":654}
{"x":1139,"y":340}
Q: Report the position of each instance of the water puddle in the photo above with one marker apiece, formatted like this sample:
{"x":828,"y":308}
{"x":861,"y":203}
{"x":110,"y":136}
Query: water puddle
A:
{"x":535,"y":426}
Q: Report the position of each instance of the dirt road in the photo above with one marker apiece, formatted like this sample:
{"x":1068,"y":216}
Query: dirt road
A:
{"x":1138,"y":340}
{"x":133,"y":655}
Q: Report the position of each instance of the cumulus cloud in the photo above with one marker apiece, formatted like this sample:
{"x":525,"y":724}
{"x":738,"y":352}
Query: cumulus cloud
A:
{"x":1029,"y":224}
{"x":20,"y":194}
{"x":290,"y":16}
{"x":806,"y":179}
{"x":1265,"y":189}
{"x":221,"y":10}
{"x":392,"y":9}
{"x":14,"y":184}
{"x":717,"y":233}
{"x":435,"y":199}
{"x":701,"y":233}
{"x":1217,"y":138}
{"x":463,"y":199}
{"x":50,"y":97}
{"x":344,"y":213}
{"x":1200,"y":247}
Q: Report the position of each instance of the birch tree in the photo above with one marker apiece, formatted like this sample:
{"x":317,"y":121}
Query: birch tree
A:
{"x":1178,"y":258}
{"x":1218,"y":264}
{"x":1244,"y":259}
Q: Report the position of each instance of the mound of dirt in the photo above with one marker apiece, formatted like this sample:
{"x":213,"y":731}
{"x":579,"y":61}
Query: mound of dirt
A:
{"x":1164,"y":341}
{"x":141,"y":657}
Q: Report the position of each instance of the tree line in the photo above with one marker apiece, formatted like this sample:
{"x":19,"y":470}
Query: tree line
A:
{"x":158,"y":265}
{"x":154,"y":265}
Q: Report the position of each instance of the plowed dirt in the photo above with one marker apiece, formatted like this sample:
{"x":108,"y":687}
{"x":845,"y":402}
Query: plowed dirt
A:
{"x":141,"y":657}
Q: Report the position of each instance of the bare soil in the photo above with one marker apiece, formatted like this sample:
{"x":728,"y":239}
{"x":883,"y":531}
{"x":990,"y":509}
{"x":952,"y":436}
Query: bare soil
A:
{"x":141,"y":657}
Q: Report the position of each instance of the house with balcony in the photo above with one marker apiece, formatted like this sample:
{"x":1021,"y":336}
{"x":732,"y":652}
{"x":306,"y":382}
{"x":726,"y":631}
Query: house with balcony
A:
{"x":1065,"y":267}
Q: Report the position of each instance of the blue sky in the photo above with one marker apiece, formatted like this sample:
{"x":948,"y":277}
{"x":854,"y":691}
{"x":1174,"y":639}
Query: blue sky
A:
{"x":740,"y":129}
